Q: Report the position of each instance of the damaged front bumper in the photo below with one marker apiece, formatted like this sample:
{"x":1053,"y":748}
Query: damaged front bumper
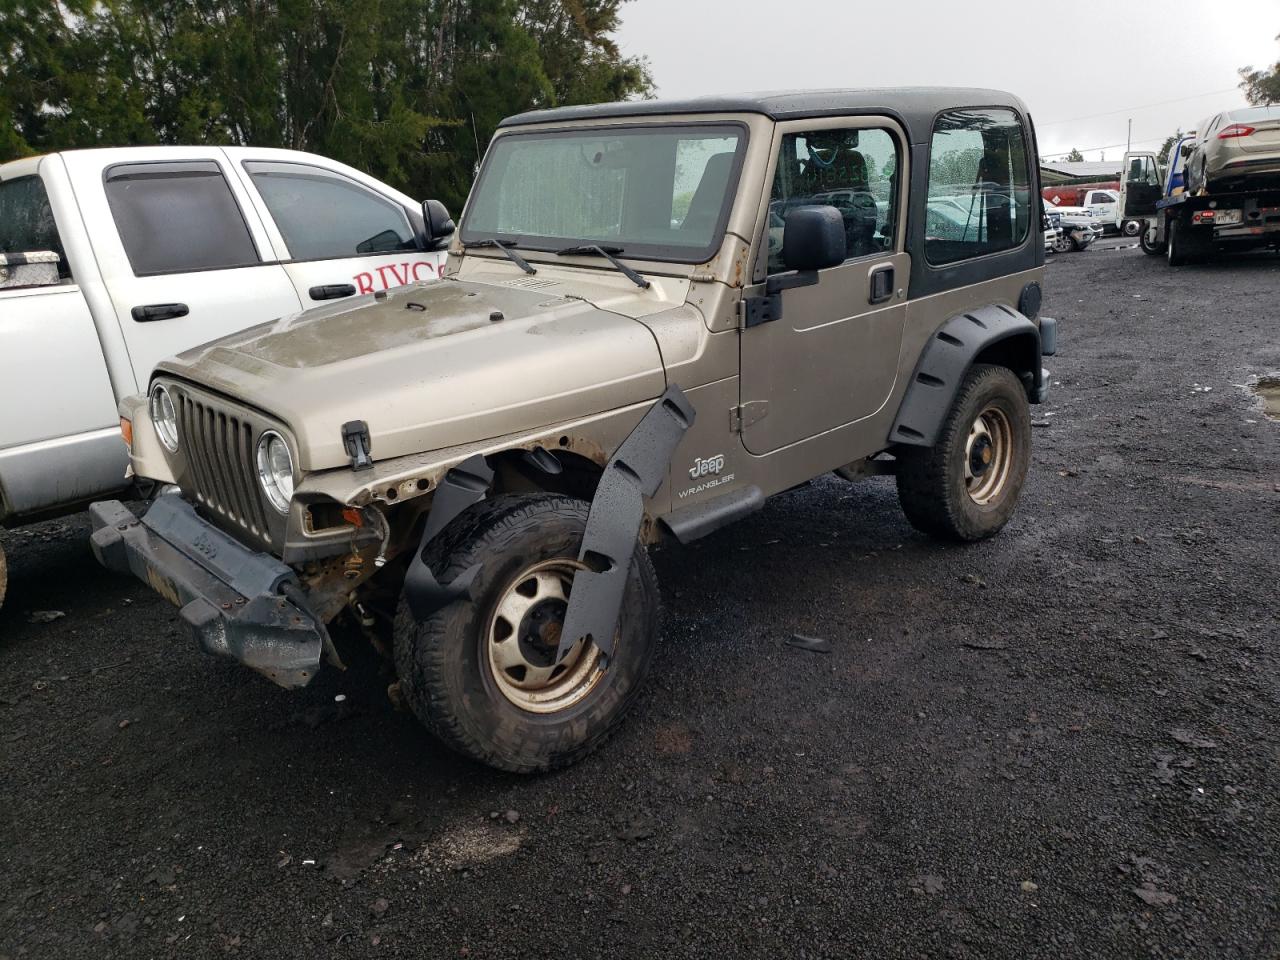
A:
{"x":239,"y":603}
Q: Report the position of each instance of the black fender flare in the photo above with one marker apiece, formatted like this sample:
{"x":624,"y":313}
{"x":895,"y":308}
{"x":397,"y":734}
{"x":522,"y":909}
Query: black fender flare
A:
{"x":635,"y":471}
{"x":947,"y":357}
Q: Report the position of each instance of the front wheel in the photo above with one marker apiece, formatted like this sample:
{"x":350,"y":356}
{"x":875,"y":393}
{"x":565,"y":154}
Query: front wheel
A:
{"x":966,"y":486}
{"x":1063,"y":243}
{"x":481,"y":674}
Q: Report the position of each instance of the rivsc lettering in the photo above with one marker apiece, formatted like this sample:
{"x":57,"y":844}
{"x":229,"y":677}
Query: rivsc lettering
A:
{"x":397,"y":275}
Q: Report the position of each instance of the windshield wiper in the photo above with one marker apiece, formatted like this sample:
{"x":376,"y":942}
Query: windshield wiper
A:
{"x":594,"y":249}
{"x":511,"y":255}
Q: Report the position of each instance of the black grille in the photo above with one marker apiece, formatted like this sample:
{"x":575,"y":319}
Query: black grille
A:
{"x":220,"y":451}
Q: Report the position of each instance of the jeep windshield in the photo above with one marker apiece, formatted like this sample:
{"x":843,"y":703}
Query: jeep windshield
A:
{"x":658,"y":192}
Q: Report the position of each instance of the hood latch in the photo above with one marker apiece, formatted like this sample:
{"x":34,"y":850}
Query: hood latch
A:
{"x":355,"y":438}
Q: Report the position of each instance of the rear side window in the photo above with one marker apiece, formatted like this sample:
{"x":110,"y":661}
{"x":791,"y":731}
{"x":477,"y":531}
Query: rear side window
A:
{"x":26,"y":220}
{"x":324,"y":215}
{"x":979,"y":185}
{"x":178,"y":217}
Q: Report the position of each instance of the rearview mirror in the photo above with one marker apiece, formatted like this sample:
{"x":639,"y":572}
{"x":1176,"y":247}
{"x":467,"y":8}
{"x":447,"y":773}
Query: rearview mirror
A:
{"x":436,"y":221}
{"x":813,"y":238}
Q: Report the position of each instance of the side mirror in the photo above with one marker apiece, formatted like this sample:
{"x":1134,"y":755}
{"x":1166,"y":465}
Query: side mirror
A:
{"x":813,"y":239}
{"x":437,"y":222}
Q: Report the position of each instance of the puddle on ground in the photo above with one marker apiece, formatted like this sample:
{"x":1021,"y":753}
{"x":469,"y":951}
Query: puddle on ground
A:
{"x":1268,"y":388}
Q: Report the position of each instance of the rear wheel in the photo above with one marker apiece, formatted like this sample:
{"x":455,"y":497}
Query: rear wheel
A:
{"x":1132,"y":228}
{"x":1147,"y":240}
{"x":1182,"y":247}
{"x":481,"y":674}
{"x":966,"y":486}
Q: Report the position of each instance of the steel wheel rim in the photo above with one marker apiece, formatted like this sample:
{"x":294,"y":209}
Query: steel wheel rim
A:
{"x":988,"y":455}
{"x":521,"y":639}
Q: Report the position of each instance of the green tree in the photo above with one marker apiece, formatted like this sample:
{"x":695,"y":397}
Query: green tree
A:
{"x":1075,"y":156}
{"x":1261,"y":87}
{"x":1167,"y":146}
{"x":408,"y":90}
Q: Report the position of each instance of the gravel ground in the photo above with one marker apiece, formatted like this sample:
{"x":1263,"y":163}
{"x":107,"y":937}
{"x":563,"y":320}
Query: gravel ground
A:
{"x":1061,"y":743}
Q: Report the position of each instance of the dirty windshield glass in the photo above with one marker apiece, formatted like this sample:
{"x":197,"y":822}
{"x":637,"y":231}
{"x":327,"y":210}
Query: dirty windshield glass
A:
{"x":658,"y":192}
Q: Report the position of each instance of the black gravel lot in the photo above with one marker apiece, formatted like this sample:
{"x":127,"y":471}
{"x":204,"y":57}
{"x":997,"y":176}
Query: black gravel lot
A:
{"x":1062,"y":743}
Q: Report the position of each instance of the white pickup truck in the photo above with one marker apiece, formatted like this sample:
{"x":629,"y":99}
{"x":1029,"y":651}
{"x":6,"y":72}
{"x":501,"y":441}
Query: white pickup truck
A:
{"x":159,"y":249}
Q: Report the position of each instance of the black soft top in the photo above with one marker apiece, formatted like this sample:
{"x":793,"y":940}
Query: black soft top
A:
{"x":915,"y":107}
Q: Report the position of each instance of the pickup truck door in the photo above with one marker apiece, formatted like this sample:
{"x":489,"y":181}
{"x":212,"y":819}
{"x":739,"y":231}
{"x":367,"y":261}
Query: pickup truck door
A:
{"x":1141,"y":185}
{"x":1102,"y":205}
{"x":182,"y":253}
{"x":341,"y":233}
{"x":824,"y":356}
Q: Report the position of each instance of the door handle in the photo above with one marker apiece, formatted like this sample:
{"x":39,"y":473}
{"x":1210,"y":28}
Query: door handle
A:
{"x":159,"y":311}
{"x":332,"y":291}
{"x":881,"y":284}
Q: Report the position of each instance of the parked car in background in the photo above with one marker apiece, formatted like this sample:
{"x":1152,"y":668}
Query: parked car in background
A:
{"x":1077,"y":227}
{"x":1237,"y":149}
{"x":1052,"y":231}
{"x":148,"y":251}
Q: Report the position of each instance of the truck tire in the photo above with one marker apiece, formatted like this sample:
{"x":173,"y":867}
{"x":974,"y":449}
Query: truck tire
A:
{"x":1181,"y":248}
{"x":479,"y":673}
{"x":966,"y":486}
{"x":1132,"y":228}
{"x":1147,"y":239}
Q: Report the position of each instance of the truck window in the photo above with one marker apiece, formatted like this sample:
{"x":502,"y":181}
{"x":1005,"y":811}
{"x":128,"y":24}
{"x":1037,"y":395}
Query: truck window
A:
{"x":979,"y":185}
{"x":323,"y":215}
{"x":178,"y":216}
{"x":26,"y":221}
{"x":851,"y":170}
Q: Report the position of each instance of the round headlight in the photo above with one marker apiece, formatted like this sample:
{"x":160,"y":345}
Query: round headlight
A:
{"x":275,"y":470}
{"x":164,"y":417}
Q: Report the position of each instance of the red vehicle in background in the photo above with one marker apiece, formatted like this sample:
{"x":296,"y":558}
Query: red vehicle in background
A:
{"x":1100,"y":200}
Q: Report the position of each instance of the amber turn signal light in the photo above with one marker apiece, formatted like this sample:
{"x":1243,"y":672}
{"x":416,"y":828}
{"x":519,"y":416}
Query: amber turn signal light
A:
{"x":126,"y":431}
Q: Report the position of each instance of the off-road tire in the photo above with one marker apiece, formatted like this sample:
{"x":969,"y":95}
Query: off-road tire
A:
{"x":443,"y":665}
{"x":931,"y":484}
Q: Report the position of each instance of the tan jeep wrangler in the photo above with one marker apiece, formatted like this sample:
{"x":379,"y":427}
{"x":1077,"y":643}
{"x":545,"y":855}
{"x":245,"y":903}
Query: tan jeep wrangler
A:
{"x":655,"y":316}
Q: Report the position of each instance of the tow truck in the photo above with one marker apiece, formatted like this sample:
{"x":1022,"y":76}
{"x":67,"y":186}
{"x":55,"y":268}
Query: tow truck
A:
{"x":1187,"y":227}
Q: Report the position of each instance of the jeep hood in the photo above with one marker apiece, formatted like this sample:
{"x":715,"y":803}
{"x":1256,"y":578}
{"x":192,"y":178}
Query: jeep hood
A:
{"x":430,"y":366}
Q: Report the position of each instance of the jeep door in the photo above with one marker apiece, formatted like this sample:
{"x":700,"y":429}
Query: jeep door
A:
{"x":830,"y":358}
{"x":340,"y":232}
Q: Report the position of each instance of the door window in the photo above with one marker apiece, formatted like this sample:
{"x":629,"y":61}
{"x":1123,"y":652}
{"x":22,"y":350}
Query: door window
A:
{"x":979,"y":185}
{"x":324,"y":216}
{"x":1142,"y":171}
{"x":178,"y":217}
{"x":854,"y":171}
{"x":26,"y":221}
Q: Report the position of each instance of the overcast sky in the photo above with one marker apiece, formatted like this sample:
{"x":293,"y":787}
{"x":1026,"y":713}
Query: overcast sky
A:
{"x":1083,"y":68}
